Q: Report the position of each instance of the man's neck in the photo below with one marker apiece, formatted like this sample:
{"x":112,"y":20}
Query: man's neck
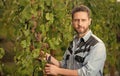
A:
{"x":82,"y":34}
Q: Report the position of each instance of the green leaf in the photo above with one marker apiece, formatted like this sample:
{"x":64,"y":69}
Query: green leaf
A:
{"x":2,"y":53}
{"x":48,"y":2}
{"x":35,"y":53}
{"x":26,"y":32}
{"x":23,"y":43}
{"x":49,"y":16}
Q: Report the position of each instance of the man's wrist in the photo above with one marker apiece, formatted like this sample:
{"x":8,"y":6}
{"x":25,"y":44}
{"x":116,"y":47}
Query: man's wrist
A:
{"x":67,"y":72}
{"x":59,"y":71}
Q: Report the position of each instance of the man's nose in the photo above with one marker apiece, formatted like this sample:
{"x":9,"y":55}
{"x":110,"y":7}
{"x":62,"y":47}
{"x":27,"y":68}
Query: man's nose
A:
{"x":79,"y":22}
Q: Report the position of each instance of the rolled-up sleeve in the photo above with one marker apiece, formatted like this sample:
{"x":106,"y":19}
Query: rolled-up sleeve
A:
{"x":94,"y":61}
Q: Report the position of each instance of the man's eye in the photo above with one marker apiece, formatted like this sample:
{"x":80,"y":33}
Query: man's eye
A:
{"x":76,"y":20}
{"x":83,"y":20}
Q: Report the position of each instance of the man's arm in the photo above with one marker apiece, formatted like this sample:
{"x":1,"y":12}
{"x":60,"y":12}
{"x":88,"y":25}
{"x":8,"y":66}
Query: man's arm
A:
{"x":53,"y":60}
{"x":51,"y":69}
{"x":95,"y":61}
{"x":68,"y":72}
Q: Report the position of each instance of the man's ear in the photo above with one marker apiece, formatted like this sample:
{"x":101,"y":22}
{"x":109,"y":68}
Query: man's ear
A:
{"x":90,"y":21}
{"x":72,"y":22}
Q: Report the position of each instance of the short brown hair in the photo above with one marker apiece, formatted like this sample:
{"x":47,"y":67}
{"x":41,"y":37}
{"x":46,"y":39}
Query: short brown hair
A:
{"x":81,"y":8}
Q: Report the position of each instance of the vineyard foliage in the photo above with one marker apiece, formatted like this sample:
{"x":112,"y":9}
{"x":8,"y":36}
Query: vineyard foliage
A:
{"x":45,"y":25}
{"x":2,"y":52}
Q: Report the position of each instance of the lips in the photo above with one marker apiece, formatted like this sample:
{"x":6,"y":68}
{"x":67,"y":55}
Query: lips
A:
{"x":79,"y":28}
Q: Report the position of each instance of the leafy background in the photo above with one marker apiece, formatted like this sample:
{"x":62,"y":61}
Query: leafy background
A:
{"x":29,"y":26}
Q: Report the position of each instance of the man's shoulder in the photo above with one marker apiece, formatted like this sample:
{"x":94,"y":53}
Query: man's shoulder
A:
{"x":97,"y":38}
{"x":99,"y":43}
{"x":99,"y":47}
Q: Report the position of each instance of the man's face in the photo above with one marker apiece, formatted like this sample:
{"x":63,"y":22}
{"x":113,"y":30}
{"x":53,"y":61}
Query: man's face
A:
{"x":81,"y":22}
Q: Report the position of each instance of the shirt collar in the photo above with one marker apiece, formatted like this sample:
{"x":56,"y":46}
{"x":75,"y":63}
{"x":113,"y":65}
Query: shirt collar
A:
{"x":87,"y":35}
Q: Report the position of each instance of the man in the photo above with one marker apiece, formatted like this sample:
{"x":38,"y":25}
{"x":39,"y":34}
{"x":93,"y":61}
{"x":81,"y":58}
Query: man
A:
{"x":85,"y":55}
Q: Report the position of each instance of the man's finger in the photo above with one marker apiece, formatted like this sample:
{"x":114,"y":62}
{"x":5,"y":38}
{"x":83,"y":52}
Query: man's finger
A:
{"x":48,"y":65}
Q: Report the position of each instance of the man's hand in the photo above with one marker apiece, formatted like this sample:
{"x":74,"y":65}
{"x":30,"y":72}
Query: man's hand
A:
{"x":51,"y":69}
{"x":43,"y":55}
{"x":48,"y":58}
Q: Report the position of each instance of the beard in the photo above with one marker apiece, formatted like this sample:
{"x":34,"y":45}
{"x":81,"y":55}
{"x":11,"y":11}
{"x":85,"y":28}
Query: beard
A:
{"x":81,"y":32}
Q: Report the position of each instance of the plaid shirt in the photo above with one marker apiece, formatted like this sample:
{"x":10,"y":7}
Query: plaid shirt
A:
{"x":86,"y":54}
